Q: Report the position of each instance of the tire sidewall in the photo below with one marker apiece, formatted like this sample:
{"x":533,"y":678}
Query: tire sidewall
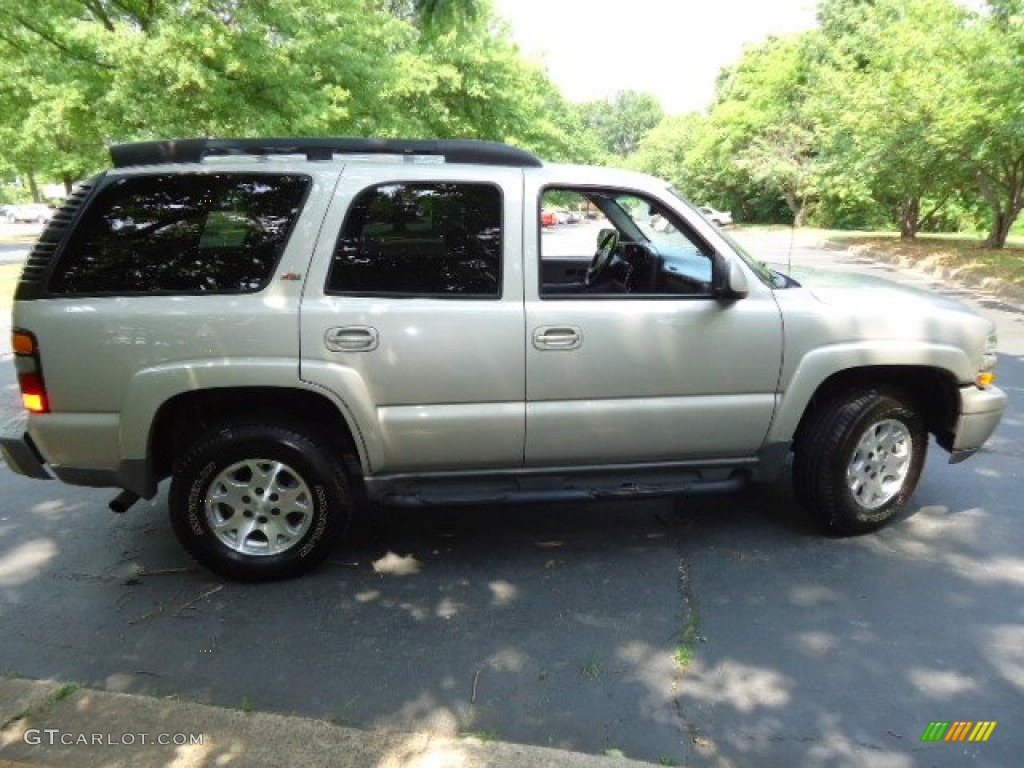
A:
{"x":218,"y":450}
{"x":851,"y":515}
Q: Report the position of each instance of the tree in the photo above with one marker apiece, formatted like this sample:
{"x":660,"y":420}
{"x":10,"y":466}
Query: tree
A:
{"x":621,"y":121}
{"x":761,"y":133}
{"x":665,"y":151}
{"x":992,"y":127}
{"x":884,"y":100}
{"x":48,"y":127}
{"x":77,"y":74}
{"x":436,"y":15}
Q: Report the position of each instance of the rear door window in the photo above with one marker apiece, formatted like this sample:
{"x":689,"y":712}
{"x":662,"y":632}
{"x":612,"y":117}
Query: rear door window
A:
{"x":436,"y":239}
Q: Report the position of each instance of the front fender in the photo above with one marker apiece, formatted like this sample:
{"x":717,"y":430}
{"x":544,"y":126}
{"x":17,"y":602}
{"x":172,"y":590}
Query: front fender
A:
{"x":821,"y":364}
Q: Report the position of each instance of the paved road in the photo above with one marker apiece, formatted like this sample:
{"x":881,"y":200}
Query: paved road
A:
{"x":14,"y":253}
{"x":560,"y":624}
{"x":17,"y":252}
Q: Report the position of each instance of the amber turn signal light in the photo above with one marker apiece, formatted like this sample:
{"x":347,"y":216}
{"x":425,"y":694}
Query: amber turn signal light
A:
{"x":23,"y":343}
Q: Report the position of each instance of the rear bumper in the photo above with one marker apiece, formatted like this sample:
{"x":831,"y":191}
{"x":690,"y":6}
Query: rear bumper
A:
{"x":980,"y":413}
{"x":71,"y":448}
{"x":22,"y":456}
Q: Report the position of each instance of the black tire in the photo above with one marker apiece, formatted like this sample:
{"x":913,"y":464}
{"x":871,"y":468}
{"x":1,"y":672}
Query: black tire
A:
{"x":230,"y":523}
{"x":859,"y":459}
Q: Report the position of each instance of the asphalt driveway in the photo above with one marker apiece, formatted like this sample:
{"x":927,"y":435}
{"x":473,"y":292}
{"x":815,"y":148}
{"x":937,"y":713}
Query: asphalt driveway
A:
{"x":705,"y":632}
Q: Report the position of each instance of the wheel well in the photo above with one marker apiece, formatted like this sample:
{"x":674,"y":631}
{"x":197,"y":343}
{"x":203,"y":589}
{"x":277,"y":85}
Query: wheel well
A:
{"x":932,"y":391}
{"x":184,"y":417}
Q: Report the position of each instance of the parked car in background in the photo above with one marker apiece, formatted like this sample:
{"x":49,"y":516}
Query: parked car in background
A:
{"x":548,"y":218}
{"x":721,"y":218}
{"x":35,"y":213}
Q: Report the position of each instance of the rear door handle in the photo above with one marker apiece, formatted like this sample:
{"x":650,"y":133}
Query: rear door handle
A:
{"x":352,"y":338}
{"x":554,"y":337}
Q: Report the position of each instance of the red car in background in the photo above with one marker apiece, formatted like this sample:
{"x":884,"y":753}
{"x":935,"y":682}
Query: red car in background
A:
{"x":548,"y":218}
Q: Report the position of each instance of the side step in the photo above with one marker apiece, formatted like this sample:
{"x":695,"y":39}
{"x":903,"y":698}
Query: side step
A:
{"x":437,"y":495}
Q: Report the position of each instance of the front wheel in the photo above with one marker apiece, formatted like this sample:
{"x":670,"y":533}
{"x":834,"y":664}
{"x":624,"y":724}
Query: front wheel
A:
{"x":859,"y":460}
{"x":259,"y":501}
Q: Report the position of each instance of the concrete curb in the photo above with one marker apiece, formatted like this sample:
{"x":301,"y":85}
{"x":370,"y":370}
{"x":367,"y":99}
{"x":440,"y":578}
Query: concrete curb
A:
{"x":1012,"y":294}
{"x":45,"y":723}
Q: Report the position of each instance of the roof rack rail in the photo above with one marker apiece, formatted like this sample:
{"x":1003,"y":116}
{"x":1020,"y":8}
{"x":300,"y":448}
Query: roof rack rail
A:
{"x":473,"y":151}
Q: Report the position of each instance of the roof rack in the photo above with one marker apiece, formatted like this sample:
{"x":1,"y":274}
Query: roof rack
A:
{"x":473,"y":151}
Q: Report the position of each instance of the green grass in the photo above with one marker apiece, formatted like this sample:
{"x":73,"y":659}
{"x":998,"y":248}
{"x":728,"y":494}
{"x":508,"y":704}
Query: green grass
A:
{"x":591,"y":670}
{"x":9,"y":274}
{"x":66,"y":690}
{"x":24,"y":239}
{"x":41,"y":707}
{"x":485,"y":736}
{"x":691,"y":636}
{"x":683,"y":655}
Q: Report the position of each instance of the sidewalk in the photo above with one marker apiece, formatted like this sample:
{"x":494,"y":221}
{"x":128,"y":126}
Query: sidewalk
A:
{"x":53,"y":725}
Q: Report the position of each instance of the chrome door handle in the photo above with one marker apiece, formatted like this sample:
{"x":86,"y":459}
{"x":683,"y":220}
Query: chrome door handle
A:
{"x":352,"y":338}
{"x":551,"y":337}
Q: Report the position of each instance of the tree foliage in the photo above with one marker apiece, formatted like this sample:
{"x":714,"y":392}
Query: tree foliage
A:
{"x":885,"y":101}
{"x":991,"y":132}
{"x":905,"y":113}
{"x":76,"y":74}
{"x":893,"y":112}
{"x":622,"y":121}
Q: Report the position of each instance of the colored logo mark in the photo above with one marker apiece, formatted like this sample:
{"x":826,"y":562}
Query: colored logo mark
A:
{"x":958,"y":730}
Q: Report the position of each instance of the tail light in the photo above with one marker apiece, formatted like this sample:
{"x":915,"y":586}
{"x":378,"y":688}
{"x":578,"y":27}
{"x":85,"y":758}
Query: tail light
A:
{"x":30,"y":372}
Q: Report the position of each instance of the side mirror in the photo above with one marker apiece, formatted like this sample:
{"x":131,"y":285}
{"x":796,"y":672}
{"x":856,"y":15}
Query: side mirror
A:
{"x":728,"y":280}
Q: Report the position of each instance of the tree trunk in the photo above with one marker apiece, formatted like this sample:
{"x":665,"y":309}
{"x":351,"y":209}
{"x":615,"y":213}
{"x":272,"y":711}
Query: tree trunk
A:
{"x":798,"y":205}
{"x":69,"y":183}
{"x":800,"y":216}
{"x":1006,"y":197}
{"x":33,"y":188}
{"x":1001,"y":223}
{"x":909,"y":213}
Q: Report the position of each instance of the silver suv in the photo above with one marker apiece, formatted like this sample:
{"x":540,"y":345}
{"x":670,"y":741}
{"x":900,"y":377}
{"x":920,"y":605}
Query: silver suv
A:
{"x":289,"y":328}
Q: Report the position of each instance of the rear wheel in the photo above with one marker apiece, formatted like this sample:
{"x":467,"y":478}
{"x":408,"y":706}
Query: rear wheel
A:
{"x":259,"y":501}
{"x":859,"y":460}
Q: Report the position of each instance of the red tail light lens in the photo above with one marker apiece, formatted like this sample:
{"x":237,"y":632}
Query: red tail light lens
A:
{"x":33,"y":393}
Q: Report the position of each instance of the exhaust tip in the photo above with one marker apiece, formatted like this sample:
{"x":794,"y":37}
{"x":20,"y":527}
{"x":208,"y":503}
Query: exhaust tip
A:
{"x":123,"y":501}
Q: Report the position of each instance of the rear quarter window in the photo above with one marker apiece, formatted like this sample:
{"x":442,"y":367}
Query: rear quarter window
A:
{"x":181,"y":234}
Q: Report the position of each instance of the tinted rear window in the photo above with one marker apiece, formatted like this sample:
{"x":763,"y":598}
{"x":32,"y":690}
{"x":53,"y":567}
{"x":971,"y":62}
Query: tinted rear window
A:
{"x":181,"y":233}
{"x":438,"y":239}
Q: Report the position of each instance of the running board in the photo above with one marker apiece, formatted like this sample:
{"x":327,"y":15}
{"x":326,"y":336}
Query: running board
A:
{"x":427,"y":496}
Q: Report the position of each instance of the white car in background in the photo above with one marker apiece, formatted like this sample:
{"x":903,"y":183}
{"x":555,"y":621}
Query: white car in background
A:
{"x":33,"y":213}
{"x":721,"y":218}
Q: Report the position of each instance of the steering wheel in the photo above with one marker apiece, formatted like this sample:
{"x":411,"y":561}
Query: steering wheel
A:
{"x":603,"y":258}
